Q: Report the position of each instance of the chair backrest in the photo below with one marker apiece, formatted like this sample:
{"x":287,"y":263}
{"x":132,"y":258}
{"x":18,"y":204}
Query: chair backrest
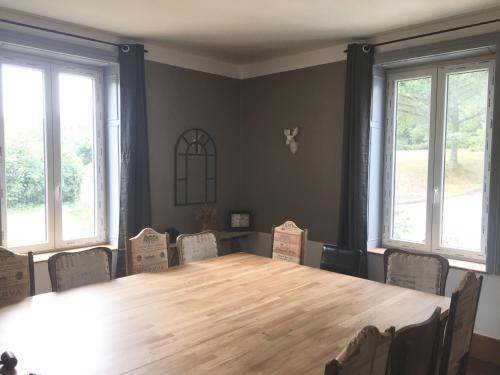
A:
{"x":288,"y":242}
{"x":17,"y":276}
{"x":69,"y":270}
{"x":416,"y":270}
{"x":147,"y":252}
{"x":197,"y":246}
{"x":460,"y":324}
{"x":367,"y":354}
{"x":340,"y":260}
{"x":415,"y":347}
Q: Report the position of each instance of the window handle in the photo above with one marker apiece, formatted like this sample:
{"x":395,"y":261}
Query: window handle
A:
{"x":58,"y":191}
{"x":436,"y":195}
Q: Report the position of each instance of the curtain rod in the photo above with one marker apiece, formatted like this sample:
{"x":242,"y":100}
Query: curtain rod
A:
{"x":435,"y":33}
{"x":61,"y":33}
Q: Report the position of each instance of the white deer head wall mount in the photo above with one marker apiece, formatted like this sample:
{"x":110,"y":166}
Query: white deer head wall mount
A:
{"x":290,"y":139}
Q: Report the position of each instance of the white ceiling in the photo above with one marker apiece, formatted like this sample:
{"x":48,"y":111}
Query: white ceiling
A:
{"x":244,"y":31}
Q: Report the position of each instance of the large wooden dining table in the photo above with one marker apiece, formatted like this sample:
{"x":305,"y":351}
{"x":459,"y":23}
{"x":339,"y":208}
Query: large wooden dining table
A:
{"x":236,"y":314}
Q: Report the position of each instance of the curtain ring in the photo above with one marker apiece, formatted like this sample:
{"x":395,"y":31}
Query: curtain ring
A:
{"x":366,"y":48}
{"x":125,"y":48}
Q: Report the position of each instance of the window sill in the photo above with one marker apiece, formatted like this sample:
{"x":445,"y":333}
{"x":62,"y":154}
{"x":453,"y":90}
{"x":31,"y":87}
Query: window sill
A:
{"x":454,"y":263}
{"x":43,"y":257}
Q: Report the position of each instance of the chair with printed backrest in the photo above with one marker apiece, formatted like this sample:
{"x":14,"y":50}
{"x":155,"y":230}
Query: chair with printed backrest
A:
{"x":460,"y":325}
{"x":421,"y":271}
{"x":197,"y":246}
{"x":17,"y":276}
{"x":288,"y":243}
{"x":367,"y":354}
{"x":147,"y":252}
{"x":72,"y":269}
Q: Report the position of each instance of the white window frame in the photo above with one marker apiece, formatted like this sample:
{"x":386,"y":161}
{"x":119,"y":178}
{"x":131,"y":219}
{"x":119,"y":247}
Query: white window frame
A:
{"x":51,"y":68}
{"x":435,"y":178}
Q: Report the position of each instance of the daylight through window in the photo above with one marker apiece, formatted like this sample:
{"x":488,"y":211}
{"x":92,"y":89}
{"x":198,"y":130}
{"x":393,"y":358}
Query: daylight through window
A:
{"x":437,"y":158}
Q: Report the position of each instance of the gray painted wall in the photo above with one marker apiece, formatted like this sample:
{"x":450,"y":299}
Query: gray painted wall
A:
{"x":275,"y":184}
{"x":179,"y":99}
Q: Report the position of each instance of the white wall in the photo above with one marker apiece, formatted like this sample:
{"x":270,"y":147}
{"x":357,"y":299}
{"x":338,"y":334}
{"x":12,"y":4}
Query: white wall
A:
{"x":42,"y":279}
{"x":488,"y":317}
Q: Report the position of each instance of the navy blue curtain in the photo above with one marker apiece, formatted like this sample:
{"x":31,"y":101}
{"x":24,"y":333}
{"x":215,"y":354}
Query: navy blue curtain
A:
{"x":353,"y":232}
{"x":135,"y":200}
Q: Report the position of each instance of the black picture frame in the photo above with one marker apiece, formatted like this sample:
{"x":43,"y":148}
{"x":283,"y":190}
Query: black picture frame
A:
{"x":248,"y":228}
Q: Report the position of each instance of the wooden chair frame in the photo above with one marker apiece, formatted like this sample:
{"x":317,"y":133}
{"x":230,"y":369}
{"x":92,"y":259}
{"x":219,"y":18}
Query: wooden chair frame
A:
{"x":303,"y":243}
{"x":180,"y":250}
{"x":333,"y":367}
{"x":448,"y":333}
{"x":53,"y":259}
{"x":31,"y":265}
{"x":445,"y":265}
{"x":436,"y":316}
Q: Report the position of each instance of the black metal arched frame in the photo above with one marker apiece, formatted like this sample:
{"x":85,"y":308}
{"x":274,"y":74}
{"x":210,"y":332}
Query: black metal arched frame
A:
{"x":195,"y":142}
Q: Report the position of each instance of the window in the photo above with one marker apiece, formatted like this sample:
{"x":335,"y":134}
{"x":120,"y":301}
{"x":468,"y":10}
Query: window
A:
{"x":51,"y":160}
{"x":437,"y":158}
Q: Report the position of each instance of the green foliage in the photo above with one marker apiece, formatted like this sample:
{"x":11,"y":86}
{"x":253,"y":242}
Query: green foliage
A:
{"x":72,"y":169}
{"x":413,"y":113}
{"x":465,"y":115}
{"x":84,"y":151}
{"x":24,"y":175}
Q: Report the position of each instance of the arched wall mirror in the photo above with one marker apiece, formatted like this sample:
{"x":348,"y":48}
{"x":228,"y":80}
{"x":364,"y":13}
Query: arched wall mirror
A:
{"x":195,"y":168}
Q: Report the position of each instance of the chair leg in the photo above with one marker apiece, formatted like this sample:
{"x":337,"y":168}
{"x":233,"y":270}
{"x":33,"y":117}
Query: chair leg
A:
{"x":442,"y":330}
{"x":331,"y":368}
{"x":464,"y":362}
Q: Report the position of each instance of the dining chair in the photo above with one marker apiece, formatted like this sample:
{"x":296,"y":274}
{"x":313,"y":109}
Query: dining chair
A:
{"x":69,"y":270}
{"x":367,"y":354}
{"x":416,"y":270}
{"x":415,"y":347}
{"x":288,"y":243}
{"x":460,"y":325}
{"x":147,"y":252}
{"x":345,"y":261}
{"x":197,"y":246}
{"x":17,"y":276}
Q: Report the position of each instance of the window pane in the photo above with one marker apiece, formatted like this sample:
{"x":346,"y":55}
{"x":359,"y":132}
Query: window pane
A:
{"x":466,"y":112}
{"x":77,"y":120}
{"x":24,"y":130}
{"x":413,"y":111}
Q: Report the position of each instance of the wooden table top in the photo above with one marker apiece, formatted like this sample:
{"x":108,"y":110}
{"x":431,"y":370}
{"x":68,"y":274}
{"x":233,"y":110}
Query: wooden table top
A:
{"x":235,"y":314}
